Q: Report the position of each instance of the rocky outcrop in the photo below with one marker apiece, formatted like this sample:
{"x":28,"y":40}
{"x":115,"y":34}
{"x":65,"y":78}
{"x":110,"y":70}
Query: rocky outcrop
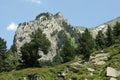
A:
{"x":103,"y":28}
{"x":50,"y":24}
{"x":99,"y":58}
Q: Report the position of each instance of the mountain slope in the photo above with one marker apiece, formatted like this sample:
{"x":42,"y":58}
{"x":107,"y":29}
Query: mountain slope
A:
{"x":103,"y":65}
{"x":104,"y":26}
{"x":56,"y":29}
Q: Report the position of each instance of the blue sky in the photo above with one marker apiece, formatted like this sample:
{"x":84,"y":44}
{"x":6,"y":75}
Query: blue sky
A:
{"x":88,"y":13}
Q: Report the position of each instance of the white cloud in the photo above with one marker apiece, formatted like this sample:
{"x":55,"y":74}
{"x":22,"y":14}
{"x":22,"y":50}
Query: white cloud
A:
{"x":36,"y":1}
{"x":12,"y":26}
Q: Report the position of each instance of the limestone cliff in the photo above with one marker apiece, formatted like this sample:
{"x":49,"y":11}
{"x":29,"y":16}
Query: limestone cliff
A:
{"x":52,"y":25}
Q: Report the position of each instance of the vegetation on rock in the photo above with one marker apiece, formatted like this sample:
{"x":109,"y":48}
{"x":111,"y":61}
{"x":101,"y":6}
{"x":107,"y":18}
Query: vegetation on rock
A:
{"x":29,"y":51}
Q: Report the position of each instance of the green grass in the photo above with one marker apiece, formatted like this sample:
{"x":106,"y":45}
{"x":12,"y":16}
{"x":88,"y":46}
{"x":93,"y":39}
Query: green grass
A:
{"x":46,"y":73}
{"x":73,"y":72}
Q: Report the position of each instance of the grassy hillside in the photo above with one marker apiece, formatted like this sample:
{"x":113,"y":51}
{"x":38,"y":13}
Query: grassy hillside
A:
{"x":74,"y":70}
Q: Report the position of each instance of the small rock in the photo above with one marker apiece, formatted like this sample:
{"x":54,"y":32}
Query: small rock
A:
{"x":63,"y":74}
{"x":23,"y":78}
{"x":90,"y":69}
{"x":100,"y":62}
{"x":91,"y":74}
{"x":59,"y":75}
{"x":112,"y":72}
{"x":113,"y":79}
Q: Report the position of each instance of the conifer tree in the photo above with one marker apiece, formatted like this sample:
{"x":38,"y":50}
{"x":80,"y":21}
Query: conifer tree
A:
{"x":100,"y":40}
{"x":116,"y":31}
{"x":109,"y":37}
{"x":30,"y":50}
{"x":86,"y":44}
{"x":39,"y":39}
{"x":3,"y":49}
{"x":29,"y":55}
{"x":68,"y":51}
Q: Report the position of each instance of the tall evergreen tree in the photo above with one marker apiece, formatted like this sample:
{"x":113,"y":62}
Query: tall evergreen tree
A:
{"x":3,"y":49}
{"x":86,"y":44}
{"x":109,"y":37}
{"x":116,"y":30}
{"x":29,"y":55}
{"x":100,"y":40}
{"x":8,"y":59}
{"x":68,"y":51}
{"x":11,"y":61}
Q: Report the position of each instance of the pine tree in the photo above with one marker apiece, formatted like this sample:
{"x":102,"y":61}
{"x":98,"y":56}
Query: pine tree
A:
{"x":30,"y":50}
{"x":100,"y":40}
{"x":109,"y":37}
{"x":39,"y":39}
{"x":11,"y":61}
{"x":86,"y":44}
{"x":116,"y":31}
{"x":29,"y":55}
{"x":8,"y":59}
{"x":3,"y":49}
{"x":68,"y":51}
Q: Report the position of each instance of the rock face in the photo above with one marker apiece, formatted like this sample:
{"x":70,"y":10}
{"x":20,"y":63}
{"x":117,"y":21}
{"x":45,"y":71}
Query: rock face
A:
{"x":50,"y":24}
